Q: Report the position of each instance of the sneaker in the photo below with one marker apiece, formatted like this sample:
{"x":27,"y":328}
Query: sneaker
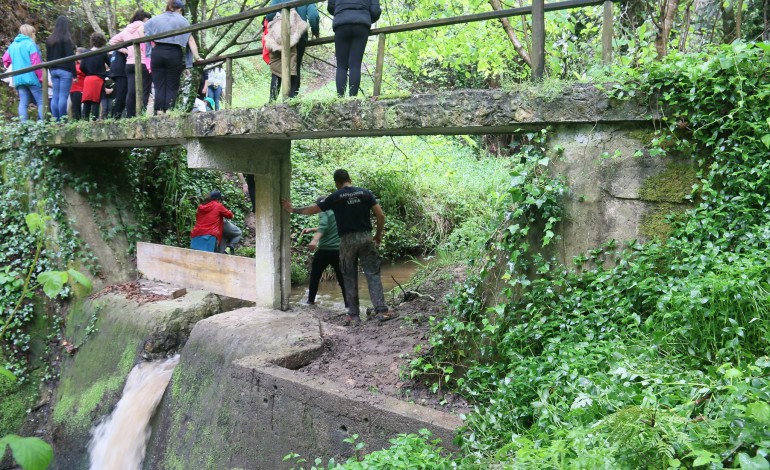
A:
{"x":385,"y":316}
{"x":230,"y":250}
{"x":352,"y":320}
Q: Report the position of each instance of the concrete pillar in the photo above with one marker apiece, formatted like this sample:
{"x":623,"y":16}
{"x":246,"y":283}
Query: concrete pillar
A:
{"x":270,"y":163}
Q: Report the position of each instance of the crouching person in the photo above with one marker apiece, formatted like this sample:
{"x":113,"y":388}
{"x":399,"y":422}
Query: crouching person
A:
{"x":209,"y":223}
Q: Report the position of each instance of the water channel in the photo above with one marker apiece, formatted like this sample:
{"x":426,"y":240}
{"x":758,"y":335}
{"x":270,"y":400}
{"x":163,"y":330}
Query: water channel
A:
{"x":330,"y":296}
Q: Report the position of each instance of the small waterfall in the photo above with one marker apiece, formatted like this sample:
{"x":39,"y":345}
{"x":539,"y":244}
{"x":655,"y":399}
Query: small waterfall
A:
{"x":119,"y":442}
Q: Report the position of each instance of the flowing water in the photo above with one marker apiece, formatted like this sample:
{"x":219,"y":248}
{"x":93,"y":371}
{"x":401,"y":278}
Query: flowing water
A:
{"x":330,"y":296}
{"x":119,"y":442}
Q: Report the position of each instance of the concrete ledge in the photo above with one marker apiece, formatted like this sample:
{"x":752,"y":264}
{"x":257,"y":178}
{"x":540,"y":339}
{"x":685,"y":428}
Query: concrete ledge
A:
{"x":230,"y":406}
{"x":455,"y":112}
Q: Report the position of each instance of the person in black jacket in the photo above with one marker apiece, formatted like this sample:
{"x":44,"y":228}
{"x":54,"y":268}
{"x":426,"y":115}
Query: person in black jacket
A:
{"x":58,"y":46}
{"x":352,"y":21}
{"x":95,"y":70}
{"x":118,"y":75}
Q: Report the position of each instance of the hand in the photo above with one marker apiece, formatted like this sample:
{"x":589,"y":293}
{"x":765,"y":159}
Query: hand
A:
{"x":313,"y":244}
{"x":377,"y":240}
{"x":286,"y":204}
{"x":316,"y":35}
{"x":245,"y":189}
{"x":198,"y":58}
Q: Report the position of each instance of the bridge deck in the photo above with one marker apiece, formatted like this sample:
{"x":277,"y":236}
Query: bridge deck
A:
{"x":458,"y":112}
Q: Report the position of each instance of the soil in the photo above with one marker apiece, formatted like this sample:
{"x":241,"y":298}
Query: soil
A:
{"x":374,"y":356}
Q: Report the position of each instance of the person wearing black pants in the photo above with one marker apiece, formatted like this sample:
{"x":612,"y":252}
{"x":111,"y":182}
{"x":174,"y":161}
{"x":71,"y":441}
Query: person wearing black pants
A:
{"x":131,"y":95}
{"x":352,"y":21}
{"x":168,"y":59}
{"x":326,"y":244}
{"x":118,"y":75}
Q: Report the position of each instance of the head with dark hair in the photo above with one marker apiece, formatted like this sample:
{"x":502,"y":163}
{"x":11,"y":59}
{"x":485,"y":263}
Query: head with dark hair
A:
{"x":341,"y":177}
{"x":61,"y":32}
{"x":140,"y":15}
{"x":173,"y":5}
{"x":98,"y":40}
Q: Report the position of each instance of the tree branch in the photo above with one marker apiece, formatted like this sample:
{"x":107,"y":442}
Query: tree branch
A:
{"x":511,"y":33}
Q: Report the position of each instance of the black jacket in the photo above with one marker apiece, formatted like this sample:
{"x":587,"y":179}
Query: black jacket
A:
{"x":60,"y":50}
{"x":346,"y":12}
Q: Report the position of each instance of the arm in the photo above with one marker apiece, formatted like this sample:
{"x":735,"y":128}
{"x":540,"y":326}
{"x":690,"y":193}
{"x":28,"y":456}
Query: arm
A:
{"x":226,"y":213}
{"x":330,"y":7}
{"x":375,"y":10}
{"x":380,"y":223}
{"x":6,"y":60}
{"x":313,"y":19}
{"x":193,"y":48}
{"x":34,"y":59}
{"x":307,"y":210}
{"x":314,"y":242}
{"x":117,"y":38}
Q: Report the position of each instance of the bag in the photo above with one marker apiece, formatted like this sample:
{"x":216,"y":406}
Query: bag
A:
{"x":265,"y":50}
{"x":273,"y":37}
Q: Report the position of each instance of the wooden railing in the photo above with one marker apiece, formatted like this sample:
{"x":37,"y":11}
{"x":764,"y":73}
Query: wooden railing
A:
{"x":537,"y":55}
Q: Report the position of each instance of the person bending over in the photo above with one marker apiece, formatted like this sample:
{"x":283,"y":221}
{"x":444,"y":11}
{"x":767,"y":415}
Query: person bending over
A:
{"x":209,"y":221}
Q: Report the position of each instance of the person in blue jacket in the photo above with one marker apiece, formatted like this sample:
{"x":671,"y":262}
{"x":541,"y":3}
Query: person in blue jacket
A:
{"x":23,"y":53}
{"x":352,"y":21}
{"x":308,"y":13}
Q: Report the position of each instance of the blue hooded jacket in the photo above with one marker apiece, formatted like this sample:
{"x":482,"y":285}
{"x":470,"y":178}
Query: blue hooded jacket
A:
{"x":23,"y":53}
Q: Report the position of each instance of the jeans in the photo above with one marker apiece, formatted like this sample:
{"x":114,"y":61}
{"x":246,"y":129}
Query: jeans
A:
{"x":167,"y":63}
{"x":28,"y":94}
{"x":62,"y":81}
{"x":349,"y":46}
{"x":215,"y":93}
{"x":355,"y":246}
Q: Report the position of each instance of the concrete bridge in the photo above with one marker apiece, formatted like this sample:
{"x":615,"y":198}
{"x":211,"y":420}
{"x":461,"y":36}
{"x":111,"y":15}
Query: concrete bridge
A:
{"x":258,"y":141}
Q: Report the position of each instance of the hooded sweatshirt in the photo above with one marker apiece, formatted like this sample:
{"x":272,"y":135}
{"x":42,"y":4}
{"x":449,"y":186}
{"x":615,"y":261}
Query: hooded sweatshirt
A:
{"x":208,"y":220}
{"x":133,"y":31}
{"x":23,"y":53}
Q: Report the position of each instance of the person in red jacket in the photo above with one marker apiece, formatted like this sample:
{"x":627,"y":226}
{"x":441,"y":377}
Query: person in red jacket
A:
{"x":207,"y":233}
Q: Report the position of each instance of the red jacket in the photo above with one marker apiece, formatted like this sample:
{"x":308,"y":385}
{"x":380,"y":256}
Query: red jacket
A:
{"x":208,"y":220}
{"x":77,"y":84}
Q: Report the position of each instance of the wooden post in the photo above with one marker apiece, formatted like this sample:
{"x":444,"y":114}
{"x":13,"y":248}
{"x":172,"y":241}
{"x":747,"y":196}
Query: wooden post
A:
{"x":285,"y":53}
{"x":378,"y":70}
{"x":138,"y":82}
{"x":44,"y":104}
{"x":538,"y":39}
{"x":607,"y":33}
{"x":229,"y":82}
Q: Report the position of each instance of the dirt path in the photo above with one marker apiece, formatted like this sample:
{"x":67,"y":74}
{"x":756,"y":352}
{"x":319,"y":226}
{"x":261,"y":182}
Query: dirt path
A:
{"x":375,"y":357}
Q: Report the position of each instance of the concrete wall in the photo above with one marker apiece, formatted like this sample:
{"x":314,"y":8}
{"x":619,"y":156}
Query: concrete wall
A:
{"x":230,"y":406}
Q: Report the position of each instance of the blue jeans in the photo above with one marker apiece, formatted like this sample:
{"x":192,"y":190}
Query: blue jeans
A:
{"x":62,"y":82}
{"x":215,"y":93}
{"x":27,"y":94}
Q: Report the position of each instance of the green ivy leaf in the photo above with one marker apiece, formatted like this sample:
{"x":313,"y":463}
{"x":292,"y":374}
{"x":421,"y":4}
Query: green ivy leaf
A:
{"x":53,"y":282}
{"x":766,"y":140}
{"x":7,"y":374}
{"x":752,"y":463}
{"x":31,"y":453}
{"x":759,"y":411}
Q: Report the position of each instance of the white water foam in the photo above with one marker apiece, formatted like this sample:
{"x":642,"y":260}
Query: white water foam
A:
{"x":120,"y":441}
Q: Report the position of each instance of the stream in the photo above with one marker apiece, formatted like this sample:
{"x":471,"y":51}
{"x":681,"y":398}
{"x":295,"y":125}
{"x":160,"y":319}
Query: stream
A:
{"x":330,"y":296}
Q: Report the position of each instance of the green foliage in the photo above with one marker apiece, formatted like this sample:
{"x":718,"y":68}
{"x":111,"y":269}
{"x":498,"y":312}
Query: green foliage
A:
{"x":31,"y":453}
{"x":643,"y":355}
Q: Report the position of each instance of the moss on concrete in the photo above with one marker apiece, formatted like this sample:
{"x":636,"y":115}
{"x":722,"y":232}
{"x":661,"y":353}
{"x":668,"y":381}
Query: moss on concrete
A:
{"x":655,"y":223}
{"x":15,"y":399}
{"x":672,"y":185}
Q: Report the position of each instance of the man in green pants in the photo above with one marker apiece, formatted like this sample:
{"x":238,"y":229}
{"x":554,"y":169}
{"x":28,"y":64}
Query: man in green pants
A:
{"x":352,"y":207}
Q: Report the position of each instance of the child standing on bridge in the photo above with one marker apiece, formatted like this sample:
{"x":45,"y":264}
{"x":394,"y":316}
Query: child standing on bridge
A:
{"x":95,"y":70}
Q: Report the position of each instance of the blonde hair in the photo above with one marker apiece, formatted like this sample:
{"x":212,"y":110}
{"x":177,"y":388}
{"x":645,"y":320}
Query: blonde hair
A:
{"x":27,"y":30}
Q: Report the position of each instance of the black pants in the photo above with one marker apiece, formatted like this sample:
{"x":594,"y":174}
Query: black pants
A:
{"x":119,"y":93}
{"x":131,"y":93}
{"x":251,"y":184}
{"x":322,"y":259}
{"x":76,"y":98}
{"x":349,"y":46}
{"x":275,"y":81}
{"x":167,"y":63}
{"x":90,"y":111}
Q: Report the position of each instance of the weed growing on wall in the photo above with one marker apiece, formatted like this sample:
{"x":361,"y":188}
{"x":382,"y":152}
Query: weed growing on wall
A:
{"x":639,"y":355}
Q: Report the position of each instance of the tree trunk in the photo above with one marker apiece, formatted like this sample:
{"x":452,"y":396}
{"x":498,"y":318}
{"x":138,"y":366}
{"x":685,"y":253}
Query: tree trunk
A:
{"x":738,"y":19}
{"x":90,"y":16}
{"x":511,"y":33}
{"x":728,"y":22}
{"x":665,"y":23}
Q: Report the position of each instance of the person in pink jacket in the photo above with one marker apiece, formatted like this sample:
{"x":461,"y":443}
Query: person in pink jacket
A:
{"x":134,"y":30}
